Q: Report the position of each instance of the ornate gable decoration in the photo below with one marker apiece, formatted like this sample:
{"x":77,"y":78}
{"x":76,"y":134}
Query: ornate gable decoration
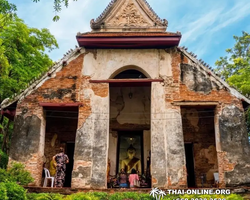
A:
{"x":128,"y":15}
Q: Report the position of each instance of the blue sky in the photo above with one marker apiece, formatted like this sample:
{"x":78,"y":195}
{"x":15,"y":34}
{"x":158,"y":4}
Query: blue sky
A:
{"x":207,"y":27}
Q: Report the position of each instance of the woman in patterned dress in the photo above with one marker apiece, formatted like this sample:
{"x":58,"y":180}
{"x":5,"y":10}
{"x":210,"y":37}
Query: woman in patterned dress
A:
{"x":61,"y":160}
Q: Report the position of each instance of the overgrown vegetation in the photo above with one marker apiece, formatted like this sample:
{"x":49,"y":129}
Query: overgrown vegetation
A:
{"x":12,"y":180}
{"x":235,"y":68}
{"x":22,"y":55}
{"x":16,"y":173}
{"x":23,"y":58}
{"x":3,"y":159}
{"x":124,"y":196}
{"x":6,"y":129}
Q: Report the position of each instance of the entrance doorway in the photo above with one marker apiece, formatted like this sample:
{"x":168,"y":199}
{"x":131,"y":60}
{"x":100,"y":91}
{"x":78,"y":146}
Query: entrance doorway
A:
{"x":61,"y":125}
{"x":130,"y":103}
{"x":190,"y":164}
{"x":200,"y":147}
{"x":130,"y":151}
{"x":70,"y":147}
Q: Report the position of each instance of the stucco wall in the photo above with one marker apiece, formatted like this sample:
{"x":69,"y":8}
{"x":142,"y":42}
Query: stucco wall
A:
{"x":126,"y":111}
{"x":105,"y":64}
{"x":183,"y":81}
{"x":198,"y":129}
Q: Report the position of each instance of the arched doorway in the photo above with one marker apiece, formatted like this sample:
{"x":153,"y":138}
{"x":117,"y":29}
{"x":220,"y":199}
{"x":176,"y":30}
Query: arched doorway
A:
{"x":129,"y":138}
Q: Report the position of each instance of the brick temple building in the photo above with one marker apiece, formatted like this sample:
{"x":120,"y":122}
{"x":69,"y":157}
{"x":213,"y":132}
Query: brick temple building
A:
{"x":130,"y":84}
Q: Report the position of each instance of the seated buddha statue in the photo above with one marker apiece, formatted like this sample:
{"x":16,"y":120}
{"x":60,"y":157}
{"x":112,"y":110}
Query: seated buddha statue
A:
{"x":131,"y":162}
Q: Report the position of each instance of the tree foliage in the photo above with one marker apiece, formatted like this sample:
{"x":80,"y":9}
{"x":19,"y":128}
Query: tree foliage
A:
{"x":235,"y":68}
{"x":7,"y":8}
{"x":22,"y":54}
{"x":58,"y":7}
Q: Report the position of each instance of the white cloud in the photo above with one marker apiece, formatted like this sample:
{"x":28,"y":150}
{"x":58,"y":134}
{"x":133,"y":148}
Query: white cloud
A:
{"x":201,"y":27}
{"x":199,"y":21}
{"x":239,"y":11}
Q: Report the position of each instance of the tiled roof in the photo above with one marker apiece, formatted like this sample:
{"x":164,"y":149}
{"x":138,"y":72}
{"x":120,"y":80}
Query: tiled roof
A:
{"x":128,"y":34}
{"x":38,"y":81}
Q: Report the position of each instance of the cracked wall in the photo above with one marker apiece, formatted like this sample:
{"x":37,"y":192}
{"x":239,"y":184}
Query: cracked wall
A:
{"x":183,"y":82}
{"x":234,"y":142}
{"x":198,"y":129}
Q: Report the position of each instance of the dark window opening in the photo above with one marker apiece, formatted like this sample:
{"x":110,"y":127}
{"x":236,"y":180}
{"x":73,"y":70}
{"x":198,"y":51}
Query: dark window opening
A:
{"x":134,"y":74}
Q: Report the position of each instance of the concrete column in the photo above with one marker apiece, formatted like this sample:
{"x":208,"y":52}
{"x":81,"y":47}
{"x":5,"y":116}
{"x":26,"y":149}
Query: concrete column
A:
{"x":234,"y":158}
{"x":91,"y":147}
{"x":220,"y":154}
{"x":158,"y":136}
{"x":176,"y":164}
{"x":27,"y":143}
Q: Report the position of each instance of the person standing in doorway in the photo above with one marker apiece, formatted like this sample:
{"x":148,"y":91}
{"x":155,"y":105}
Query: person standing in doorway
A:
{"x":61,"y":160}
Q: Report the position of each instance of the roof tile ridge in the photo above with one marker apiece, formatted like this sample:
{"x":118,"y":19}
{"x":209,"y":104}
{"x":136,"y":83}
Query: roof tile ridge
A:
{"x":209,"y":70}
{"x":132,"y":32}
{"x":152,"y":10}
{"x":34,"y":83}
{"x":100,"y":17}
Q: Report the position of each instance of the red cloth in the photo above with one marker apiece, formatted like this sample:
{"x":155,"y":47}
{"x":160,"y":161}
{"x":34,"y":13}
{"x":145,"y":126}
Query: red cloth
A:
{"x":133,"y":177}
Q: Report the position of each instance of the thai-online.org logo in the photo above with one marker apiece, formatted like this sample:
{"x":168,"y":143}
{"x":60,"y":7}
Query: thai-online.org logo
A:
{"x":160,"y":194}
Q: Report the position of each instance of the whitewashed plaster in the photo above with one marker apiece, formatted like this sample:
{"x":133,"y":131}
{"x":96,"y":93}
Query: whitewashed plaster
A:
{"x":107,"y":61}
{"x":134,"y":110}
{"x":112,"y":152}
{"x":158,"y":136}
{"x":146,"y":147}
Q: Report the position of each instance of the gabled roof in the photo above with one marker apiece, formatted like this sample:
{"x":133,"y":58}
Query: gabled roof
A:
{"x":203,"y":66}
{"x":36,"y":83}
{"x":129,"y":15}
{"x":74,"y":53}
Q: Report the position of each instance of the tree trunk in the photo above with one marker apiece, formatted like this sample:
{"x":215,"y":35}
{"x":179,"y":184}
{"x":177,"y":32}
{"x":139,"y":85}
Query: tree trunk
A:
{"x":1,"y":124}
{"x":5,"y":135}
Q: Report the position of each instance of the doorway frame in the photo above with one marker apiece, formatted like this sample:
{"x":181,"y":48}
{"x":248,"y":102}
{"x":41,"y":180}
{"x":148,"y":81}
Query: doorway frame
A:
{"x":193,"y":163}
{"x":128,"y":133}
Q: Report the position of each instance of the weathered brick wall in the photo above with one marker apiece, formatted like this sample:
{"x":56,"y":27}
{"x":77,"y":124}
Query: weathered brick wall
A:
{"x":29,"y":131}
{"x":184,"y":81}
{"x":196,"y":85}
{"x":198,"y":129}
{"x":235,"y":151}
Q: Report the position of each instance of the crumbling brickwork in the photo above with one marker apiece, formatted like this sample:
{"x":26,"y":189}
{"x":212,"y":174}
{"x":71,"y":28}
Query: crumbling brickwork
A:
{"x":185,"y":86}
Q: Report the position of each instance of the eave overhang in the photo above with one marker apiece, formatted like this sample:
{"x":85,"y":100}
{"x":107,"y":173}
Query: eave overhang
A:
{"x":128,"y":82}
{"x":48,"y":104}
{"x":128,"y":41}
{"x":10,"y":114}
{"x":61,"y":106}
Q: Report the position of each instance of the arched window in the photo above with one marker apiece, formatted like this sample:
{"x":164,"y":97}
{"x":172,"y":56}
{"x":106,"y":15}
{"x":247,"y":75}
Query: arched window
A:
{"x":131,"y":73}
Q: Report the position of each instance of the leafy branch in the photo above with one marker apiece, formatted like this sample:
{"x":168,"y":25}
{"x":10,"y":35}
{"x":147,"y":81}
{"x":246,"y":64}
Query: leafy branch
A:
{"x":58,"y":7}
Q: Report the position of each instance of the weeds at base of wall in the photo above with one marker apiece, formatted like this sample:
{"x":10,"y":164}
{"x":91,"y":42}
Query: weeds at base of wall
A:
{"x":124,"y":196}
{"x":3,"y":160}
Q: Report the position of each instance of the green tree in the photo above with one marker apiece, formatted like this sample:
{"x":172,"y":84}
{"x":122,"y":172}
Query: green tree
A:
{"x":22,"y":54}
{"x":22,"y":58}
{"x":235,"y":68}
{"x":58,"y":7}
{"x":7,"y":8}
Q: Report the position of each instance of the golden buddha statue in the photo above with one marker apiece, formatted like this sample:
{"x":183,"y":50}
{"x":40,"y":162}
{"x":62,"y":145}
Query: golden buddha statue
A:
{"x":131,"y":162}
